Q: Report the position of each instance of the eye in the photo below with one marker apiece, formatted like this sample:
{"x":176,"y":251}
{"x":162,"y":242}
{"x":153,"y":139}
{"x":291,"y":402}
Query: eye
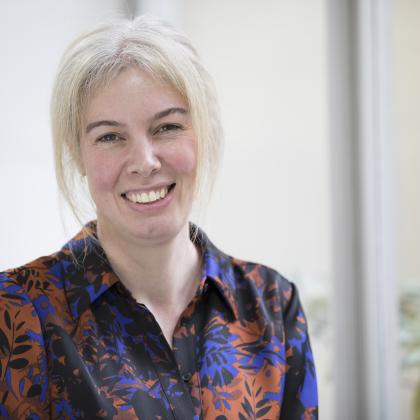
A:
{"x":109,"y":138}
{"x":168,"y":127}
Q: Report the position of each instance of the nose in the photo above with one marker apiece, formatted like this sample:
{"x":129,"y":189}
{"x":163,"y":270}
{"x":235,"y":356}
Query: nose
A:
{"x":143,"y":159}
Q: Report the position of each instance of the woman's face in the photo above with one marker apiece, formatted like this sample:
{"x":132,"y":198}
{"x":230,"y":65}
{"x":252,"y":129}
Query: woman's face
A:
{"x":138,"y":151}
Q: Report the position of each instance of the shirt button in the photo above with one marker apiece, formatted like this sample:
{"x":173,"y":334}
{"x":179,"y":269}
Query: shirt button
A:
{"x":186,"y":377}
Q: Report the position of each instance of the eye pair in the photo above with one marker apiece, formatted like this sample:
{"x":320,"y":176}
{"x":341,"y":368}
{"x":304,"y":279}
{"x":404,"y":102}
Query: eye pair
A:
{"x":114,"y":137}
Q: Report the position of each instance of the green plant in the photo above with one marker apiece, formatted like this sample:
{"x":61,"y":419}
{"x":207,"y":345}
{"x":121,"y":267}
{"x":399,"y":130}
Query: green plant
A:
{"x":410,"y":340}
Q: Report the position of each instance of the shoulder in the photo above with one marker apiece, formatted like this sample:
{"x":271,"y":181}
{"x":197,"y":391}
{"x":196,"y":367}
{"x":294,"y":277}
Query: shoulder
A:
{"x":26,"y":295}
{"x":29,"y":292}
{"x":264,"y":285}
{"x":262,"y":276}
{"x":11,"y":292}
{"x":249,"y":284}
{"x":32,"y":279}
{"x":19,"y":289}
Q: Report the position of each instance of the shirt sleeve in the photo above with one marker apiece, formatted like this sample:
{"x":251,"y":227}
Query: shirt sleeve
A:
{"x":23,"y":362}
{"x":300,"y":395}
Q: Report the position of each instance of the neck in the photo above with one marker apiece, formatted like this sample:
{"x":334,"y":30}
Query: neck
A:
{"x":158,"y":275}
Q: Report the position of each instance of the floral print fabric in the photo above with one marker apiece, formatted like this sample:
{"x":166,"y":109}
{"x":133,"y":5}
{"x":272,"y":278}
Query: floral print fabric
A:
{"x":75,"y":345}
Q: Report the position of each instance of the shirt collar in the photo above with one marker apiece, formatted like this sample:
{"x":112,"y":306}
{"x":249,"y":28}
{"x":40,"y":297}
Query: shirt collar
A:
{"x":88,"y":273}
{"x":217,"y":266}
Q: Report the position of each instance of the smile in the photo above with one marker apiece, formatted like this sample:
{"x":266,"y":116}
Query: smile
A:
{"x":149,"y":196}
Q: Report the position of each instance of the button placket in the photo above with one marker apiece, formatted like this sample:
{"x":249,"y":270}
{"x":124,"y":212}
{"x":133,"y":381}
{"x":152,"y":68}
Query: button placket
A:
{"x":184,"y":352}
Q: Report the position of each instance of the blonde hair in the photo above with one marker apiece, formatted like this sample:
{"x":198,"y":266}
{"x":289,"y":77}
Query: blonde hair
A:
{"x":99,"y":55}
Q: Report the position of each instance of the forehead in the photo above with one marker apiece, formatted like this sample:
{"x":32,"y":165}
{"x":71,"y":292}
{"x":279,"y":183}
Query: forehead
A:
{"x":132,"y":88}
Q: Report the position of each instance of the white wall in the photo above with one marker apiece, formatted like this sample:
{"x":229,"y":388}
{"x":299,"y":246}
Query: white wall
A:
{"x":268,"y":61}
{"x":33,"y":36}
{"x":407,"y":146}
{"x":407,"y":104}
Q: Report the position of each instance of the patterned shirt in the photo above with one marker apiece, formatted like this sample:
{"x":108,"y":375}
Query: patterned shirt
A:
{"x":74,"y":344}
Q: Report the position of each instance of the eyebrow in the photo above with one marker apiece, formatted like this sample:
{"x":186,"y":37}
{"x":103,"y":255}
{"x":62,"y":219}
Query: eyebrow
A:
{"x":169,"y":111}
{"x":95,"y":124}
{"x":157,"y":116}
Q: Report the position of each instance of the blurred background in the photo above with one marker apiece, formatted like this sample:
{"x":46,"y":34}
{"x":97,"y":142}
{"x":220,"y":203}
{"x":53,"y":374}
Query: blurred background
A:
{"x":320,"y":178}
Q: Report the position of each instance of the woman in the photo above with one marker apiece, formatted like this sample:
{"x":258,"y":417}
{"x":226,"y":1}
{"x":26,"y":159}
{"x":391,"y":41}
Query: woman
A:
{"x":140,"y":315}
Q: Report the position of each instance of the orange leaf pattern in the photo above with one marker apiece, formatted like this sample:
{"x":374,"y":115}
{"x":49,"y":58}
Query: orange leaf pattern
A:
{"x":75,"y":345}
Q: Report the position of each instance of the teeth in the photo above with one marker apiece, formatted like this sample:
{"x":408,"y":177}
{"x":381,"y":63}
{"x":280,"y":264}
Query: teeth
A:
{"x":149,"y":197}
{"x":152,"y":196}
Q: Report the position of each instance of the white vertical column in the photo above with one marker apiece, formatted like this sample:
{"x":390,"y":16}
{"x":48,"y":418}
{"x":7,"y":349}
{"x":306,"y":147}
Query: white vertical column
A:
{"x":366,"y":363}
{"x":377,"y":175}
{"x":346,"y":255}
{"x":131,"y":8}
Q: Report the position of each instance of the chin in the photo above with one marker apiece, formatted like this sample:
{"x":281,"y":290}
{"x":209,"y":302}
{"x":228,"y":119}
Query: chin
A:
{"x":159,"y":231}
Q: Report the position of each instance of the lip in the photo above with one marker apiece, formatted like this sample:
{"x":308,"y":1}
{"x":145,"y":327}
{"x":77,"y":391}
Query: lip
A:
{"x":155,"y":205}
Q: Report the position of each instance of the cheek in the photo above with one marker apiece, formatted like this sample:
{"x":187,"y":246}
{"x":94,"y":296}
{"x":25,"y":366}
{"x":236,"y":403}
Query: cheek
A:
{"x":101,"y":172}
{"x":183,"y":159}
